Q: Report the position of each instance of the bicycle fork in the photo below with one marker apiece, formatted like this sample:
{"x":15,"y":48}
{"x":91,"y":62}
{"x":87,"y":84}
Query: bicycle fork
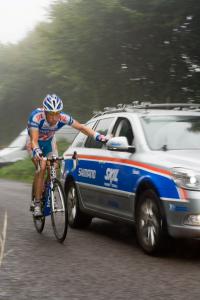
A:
{"x":54,"y":206}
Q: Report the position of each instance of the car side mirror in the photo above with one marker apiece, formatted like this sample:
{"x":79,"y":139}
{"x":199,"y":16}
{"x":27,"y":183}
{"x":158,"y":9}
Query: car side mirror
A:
{"x":119,"y":143}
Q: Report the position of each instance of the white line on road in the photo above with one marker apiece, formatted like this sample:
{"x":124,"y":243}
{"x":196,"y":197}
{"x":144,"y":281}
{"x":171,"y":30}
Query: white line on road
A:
{"x":3,"y":238}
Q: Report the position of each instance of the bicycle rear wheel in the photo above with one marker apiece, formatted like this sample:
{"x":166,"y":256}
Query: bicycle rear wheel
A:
{"x":38,"y":221}
{"x":59,"y":212}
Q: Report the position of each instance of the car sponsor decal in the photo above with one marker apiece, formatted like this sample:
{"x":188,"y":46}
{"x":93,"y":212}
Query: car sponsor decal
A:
{"x":127,"y":162}
{"x":87,"y":173}
{"x":117,"y":172}
{"x":111,"y":178}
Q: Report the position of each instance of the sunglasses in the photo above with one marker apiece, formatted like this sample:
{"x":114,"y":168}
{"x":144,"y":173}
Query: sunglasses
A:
{"x":52,"y":113}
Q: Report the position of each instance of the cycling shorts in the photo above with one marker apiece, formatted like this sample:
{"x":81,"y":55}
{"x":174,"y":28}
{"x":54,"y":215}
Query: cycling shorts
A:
{"x":48,"y":147}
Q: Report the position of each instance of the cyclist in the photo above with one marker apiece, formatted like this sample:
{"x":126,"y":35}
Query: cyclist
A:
{"x":42,"y":125}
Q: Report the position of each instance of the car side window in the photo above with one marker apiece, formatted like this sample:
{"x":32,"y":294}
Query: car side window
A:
{"x":81,"y":137}
{"x":123,"y":128}
{"x":102,"y":127}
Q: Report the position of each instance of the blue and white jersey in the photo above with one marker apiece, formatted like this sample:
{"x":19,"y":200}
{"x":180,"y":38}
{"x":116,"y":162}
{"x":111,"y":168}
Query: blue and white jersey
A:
{"x":38,"y":120}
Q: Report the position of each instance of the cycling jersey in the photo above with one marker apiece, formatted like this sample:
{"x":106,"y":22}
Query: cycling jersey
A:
{"x":38,"y":120}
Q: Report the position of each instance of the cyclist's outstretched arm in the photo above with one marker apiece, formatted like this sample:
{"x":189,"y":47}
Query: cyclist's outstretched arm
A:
{"x":83,"y":128}
{"x":89,"y":131}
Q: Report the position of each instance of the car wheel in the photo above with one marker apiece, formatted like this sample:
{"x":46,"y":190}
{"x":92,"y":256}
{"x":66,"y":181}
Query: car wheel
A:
{"x":150,"y":224}
{"x":76,"y":218}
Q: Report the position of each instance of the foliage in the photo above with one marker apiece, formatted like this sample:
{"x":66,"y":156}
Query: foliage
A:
{"x":21,"y":171}
{"x":97,"y":53}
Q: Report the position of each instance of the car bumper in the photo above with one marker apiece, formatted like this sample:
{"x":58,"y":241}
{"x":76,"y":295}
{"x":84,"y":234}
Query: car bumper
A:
{"x":184,"y":231}
{"x":178,"y":212}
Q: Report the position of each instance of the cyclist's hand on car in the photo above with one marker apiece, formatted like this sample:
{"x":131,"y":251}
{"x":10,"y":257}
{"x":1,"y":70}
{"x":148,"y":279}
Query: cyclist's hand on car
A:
{"x":101,"y":138}
{"x":37,"y":153}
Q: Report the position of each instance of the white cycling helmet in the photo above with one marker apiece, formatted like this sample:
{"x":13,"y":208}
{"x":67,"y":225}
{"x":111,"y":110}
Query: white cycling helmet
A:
{"x":52,"y":103}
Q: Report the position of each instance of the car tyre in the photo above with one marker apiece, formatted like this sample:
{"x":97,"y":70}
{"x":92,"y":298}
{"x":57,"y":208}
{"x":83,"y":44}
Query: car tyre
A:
{"x":150,"y":223}
{"x":76,"y":218}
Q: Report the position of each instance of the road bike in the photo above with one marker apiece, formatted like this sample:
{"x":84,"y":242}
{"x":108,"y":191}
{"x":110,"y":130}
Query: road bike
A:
{"x":53,"y":202}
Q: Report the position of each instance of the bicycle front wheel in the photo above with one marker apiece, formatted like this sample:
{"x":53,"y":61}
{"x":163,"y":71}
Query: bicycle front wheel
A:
{"x":59,"y":212}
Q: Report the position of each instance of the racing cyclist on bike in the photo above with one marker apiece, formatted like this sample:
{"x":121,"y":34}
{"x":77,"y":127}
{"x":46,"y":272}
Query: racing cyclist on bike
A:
{"x":42,"y":125}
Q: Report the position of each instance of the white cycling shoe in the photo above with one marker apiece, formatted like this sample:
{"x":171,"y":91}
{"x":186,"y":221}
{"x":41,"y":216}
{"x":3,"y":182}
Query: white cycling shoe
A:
{"x":37,"y":210}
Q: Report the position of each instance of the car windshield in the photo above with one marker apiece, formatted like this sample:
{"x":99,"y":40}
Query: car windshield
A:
{"x":172,"y":132}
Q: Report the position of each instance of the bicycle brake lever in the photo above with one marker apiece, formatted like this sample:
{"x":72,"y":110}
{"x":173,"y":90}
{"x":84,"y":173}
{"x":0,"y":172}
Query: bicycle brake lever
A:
{"x":75,"y":161}
{"x":74,"y":156}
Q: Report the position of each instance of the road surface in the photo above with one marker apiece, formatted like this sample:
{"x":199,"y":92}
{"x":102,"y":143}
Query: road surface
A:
{"x":102,"y":262}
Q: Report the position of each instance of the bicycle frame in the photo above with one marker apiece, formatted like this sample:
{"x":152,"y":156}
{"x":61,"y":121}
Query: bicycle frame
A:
{"x":47,"y":199}
{"x":48,"y":193}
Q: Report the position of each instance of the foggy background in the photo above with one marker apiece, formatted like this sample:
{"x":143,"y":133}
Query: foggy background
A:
{"x":97,"y":53}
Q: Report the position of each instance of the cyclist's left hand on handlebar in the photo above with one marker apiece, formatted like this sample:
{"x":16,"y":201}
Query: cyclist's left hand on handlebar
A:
{"x":37,"y":153}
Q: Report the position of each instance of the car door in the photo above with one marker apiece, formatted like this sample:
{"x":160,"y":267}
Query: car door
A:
{"x":89,"y":177}
{"x":117,"y":193}
{"x":108,"y":189}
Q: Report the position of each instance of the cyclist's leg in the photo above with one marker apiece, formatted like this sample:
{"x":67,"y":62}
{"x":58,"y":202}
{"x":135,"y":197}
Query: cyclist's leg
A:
{"x":46,"y":147}
{"x":38,"y":182}
{"x":38,"y":187}
{"x":54,"y":152}
{"x":39,"y":179}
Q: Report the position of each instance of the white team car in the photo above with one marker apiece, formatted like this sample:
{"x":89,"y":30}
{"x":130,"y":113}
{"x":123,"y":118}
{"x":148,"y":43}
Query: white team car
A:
{"x":148,"y":174}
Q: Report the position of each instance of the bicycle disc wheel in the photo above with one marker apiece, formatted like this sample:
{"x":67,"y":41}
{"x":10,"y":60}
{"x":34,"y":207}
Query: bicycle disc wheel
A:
{"x":38,"y":221}
{"x":59,"y":212}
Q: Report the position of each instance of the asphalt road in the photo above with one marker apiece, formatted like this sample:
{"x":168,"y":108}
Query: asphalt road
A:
{"x":102,"y":262}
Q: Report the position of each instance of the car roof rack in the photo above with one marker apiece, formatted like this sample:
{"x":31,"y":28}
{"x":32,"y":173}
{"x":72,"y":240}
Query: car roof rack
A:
{"x":135,"y":105}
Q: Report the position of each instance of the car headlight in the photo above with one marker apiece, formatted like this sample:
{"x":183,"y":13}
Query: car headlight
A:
{"x":192,"y":220}
{"x":185,"y":178}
